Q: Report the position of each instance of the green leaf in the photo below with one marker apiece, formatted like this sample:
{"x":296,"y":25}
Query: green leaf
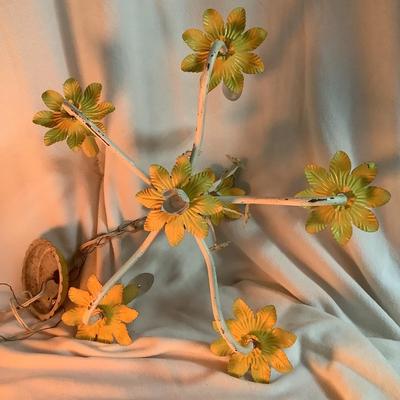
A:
{"x":53,"y":136}
{"x":137,"y":287}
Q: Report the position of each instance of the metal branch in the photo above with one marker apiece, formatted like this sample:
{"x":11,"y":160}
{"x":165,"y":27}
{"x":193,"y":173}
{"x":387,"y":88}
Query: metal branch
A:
{"x":217,"y":46}
{"x":216,"y":304}
{"x":80,"y":117}
{"x":120,"y":273}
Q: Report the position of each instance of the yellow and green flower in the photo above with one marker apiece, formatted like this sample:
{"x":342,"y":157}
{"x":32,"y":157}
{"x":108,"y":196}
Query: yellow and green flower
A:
{"x":231,"y":211}
{"x":65,"y":127}
{"x":238,"y":59}
{"x":111,"y":315}
{"x":360,"y":197}
{"x":268,"y":343}
{"x":179,"y":201}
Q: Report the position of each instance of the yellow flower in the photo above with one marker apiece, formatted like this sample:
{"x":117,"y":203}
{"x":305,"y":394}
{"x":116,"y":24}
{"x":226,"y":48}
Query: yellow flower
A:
{"x":360,"y":196}
{"x":111,"y":315}
{"x":179,"y":201}
{"x":229,"y":210}
{"x":238,"y":58}
{"x":268,"y":343}
{"x":66,"y":127}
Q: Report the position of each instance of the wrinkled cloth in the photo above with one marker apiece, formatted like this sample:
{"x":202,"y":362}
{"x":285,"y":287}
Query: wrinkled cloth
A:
{"x":331,"y":82}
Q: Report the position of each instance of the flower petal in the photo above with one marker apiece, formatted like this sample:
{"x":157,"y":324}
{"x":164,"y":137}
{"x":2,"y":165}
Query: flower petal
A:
{"x":367,"y":171}
{"x":74,"y":316}
{"x":150,"y":198}
{"x":341,"y":227}
{"x":235,"y":23}
{"x":195,"y":224}
{"x":199,"y":183}
{"x":79,"y":297}
{"x":377,"y":196}
{"x":89,"y":146}
{"x":363,"y":218}
{"x":238,"y":365}
{"x":121,"y":334}
{"x":316,"y":176}
{"x":72,"y":90}
{"x":45,"y":118}
{"x":340,"y":162}
{"x":123,"y":313}
{"x":196,"y":40}
{"x":75,"y":139}
{"x":105,"y":333}
{"x":181,"y":171}
{"x":155,"y":220}
{"x":93,"y":285}
{"x":266,"y":318}
{"x":91,"y":95}
{"x":260,"y":370}
{"x":52,"y":99}
{"x":114,"y":296}
{"x":306,"y":193}
{"x":194,"y":62}
{"x":285,"y":338}
{"x":251,"y":63}
{"x":239,"y":328}
{"x":241,"y":310}
{"x":88,"y":332}
{"x":234,"y":82}
{"x":99,"y":111}
{"x":319,"y":218}
{"x":279,"y":361}
{"x":175,"y":231}
{"x":213,"y":23}
{"x":159,"y":178}
{"x":220,"y":348}
{"x":249,"y":40}
{"x":54,"y":135}
{"x":216,"y":75}
{"x":206,"y":205}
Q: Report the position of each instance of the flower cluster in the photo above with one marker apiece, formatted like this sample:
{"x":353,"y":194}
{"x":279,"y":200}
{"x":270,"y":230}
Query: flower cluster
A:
{"x":110,"y":316}
{"x":267,"y":341}
{"x":179,"y":201}
{"x":238,"y":57}
{"x":360,"y":197}
{"x":66,"y":127}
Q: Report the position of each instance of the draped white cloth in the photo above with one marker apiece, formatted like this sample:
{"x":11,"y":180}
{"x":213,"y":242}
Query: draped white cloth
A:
{"x":331,"y":82}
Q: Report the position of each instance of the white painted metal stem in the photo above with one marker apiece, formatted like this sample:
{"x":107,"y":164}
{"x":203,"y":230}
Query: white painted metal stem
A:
{"x":339,"y":199}
{"x":216,"y":304}
{"x":75,"y":112}
{"x":120,"y":273}
{"x":217,"y":46}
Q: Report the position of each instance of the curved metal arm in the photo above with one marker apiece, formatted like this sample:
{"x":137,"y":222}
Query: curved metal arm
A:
{"x":339,"y":199}
{"x":216,"y":304}
{"x":84,"y":120}
{"x":217,"y":46}
{"x":120,"y":273}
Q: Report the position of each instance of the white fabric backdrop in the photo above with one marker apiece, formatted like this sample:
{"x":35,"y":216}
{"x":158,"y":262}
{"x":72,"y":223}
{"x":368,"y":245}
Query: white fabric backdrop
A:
{"x":331,"y":82}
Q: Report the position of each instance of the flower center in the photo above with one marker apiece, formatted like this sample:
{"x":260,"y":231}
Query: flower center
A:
{"x":176,"y":201}
{"x":351,"y":197}
{"x":251,"y":339}
{"x":96,"y":316}
{"x":263,"y":341}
